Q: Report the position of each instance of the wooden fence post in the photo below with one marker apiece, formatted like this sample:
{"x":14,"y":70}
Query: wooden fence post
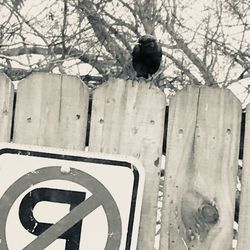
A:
{"x":6,"y":107}
{"x":201,"y":167}
{"x":244,"y":214}
{"x":128,"y":118}
{"x":51,"y":110}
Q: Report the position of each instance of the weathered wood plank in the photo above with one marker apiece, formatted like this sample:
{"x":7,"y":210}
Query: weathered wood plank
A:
{"x":6,"y":107}
{"x":51,"y":110}
{"x":201,"y":167}
{"x":244,"y":213}
{"x":128,"y":118}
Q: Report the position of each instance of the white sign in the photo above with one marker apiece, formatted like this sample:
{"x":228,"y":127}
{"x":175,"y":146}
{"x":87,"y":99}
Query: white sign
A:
{"x":68,"y":200}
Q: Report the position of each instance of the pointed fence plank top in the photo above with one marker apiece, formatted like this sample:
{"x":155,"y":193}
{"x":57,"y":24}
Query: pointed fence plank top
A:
{"x":6,"y":107}
{"x":201,"y":167}
{"x":128,"y":118}
{"x":51,"y":110}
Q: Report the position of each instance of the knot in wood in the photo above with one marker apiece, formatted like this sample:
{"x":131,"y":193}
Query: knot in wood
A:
{"x":209,"y":213}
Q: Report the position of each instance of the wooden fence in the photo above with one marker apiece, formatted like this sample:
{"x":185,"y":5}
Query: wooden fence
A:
{"x":126,"y":117}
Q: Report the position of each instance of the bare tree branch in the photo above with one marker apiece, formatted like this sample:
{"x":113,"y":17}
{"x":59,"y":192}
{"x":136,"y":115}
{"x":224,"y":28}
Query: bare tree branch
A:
{"x":208,"y":77}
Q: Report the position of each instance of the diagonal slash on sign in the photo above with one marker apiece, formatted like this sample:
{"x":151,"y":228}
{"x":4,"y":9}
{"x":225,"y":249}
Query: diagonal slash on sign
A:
{"x":56,"y":230}
{"x":100,"y":197}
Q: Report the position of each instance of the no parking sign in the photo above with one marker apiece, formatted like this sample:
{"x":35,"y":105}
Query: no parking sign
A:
{"x":57,"y":199}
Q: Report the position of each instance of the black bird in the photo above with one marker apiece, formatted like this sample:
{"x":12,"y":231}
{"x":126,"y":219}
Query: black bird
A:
{"x":146,"y":56}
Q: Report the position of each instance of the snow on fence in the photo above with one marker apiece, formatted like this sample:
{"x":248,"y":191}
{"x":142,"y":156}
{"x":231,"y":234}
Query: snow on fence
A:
{"x":128,"y":117}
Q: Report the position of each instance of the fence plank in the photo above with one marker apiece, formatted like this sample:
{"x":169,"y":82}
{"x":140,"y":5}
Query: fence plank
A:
{"x":244,"y":213}
{"x":51,"y":110}
{"x":128,"y":118}
{"x":6,"y":107}
{"x":201,"y":167}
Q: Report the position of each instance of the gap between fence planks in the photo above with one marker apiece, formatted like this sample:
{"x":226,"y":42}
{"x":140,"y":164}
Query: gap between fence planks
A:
{"x":244,"y":214}
{"x":128,"y":118}
{"x":201,"y":167}
{"x":51,"y":110}
{"x":6,"y":107}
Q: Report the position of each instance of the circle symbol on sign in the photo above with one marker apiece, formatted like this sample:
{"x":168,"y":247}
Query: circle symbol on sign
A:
{"x":100,"y":197}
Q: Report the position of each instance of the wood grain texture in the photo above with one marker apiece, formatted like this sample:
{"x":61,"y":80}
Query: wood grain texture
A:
{"x":128,"y":118}
{"x":201,"y":167}
{"x":244,"y":214}
{"x":6,"y":107}
{"x":51,"y":110}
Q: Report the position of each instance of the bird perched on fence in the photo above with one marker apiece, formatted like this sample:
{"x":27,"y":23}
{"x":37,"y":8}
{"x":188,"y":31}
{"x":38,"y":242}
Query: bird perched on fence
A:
{"x":146,"y":56}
